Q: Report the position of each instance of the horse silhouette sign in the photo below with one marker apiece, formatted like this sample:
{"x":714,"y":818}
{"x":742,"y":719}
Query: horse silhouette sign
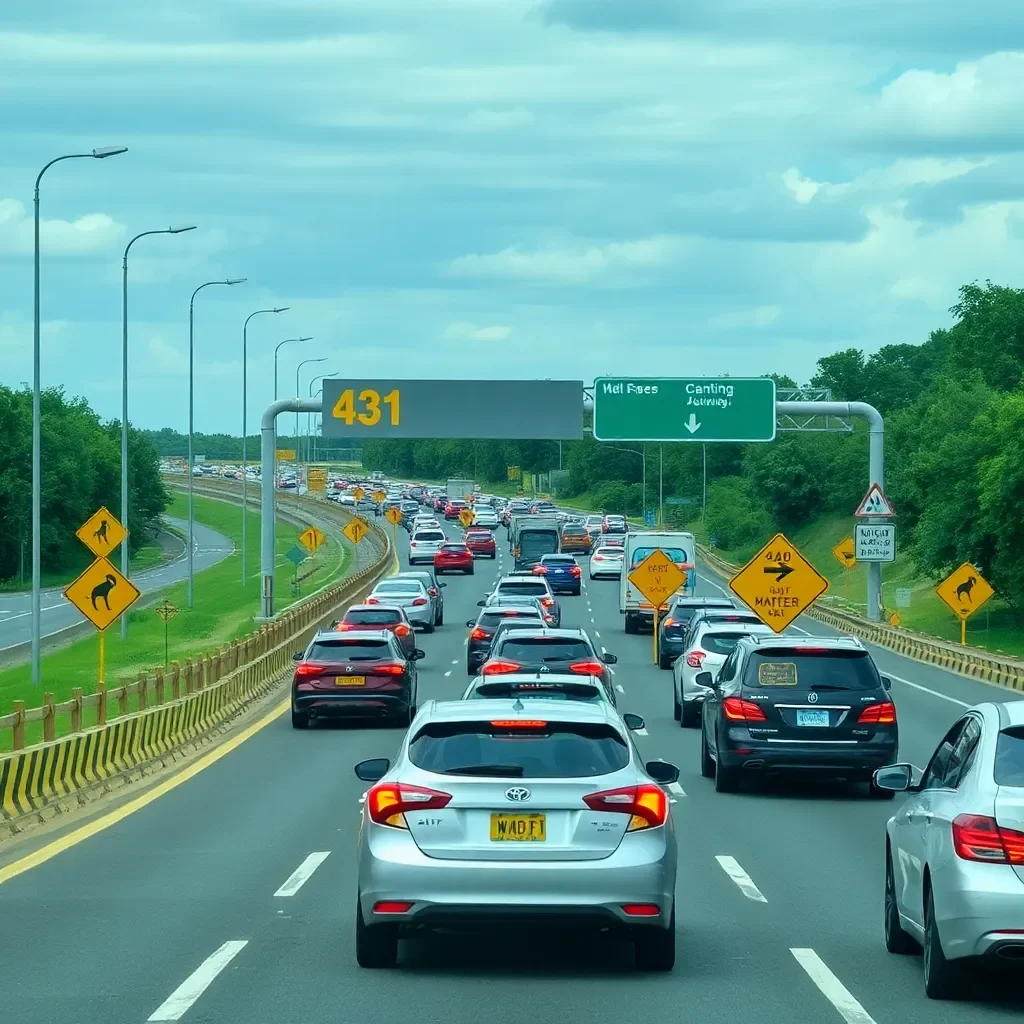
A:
{"x":102,"y":594}
{"x":101,"y":533}
{"x":964,"y":591}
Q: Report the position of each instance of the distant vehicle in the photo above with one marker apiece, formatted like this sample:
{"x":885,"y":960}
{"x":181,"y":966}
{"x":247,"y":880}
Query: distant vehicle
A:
{"x":428,"y":578}
{"x":527,"y":586}
{"x":575,"y":538}
{"x":561,"y":572}
{"x":481,"y":542}
{"x":360,"y":617}
{"x":454,"y":557}
{"x":424,"y":544}
{"x":491,"y":620}
{"x":409,"y":594}
{"x":533,"y":649}
{"x":456,"y":488}
{"x":679,"y":547}
{"x":606,"y":563}
{"x":614,"y":524}
{"x":532,"y":538}
{"x":673,"y":627}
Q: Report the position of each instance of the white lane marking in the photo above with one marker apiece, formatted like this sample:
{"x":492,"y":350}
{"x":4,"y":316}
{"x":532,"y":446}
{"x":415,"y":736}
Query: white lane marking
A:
{"x":181,"y":999}
{"x":732,"y":868}
{"x":618,"y":686}
{"x":711,"y":583}
{"x":592,"y":622}
{"x":677,"y":789}
{"x":455,"y":661}
{"x":597,"y":634}
{"x":832,"y":988}
{"x":642,"y":732}
{"x":924,"y":689}
{"x":448,"y":673}
{"x":302,"y":873}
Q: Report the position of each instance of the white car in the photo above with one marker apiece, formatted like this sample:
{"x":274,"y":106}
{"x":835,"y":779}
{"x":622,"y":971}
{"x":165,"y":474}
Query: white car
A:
{"x":425,"y":543}
{"x":606,"y":563}
{"x":408,"y":594}
{"x":483,"y":515}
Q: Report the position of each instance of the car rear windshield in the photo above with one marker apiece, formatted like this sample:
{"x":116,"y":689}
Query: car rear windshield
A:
{"x":399,"y":587}
{"x":556,"y":691}
{"x":430,"y":535}
{"x":479,"y":535}
{"x":545,"y":649}
{"x":719,"y":643}
{"x":376,"y":617}
{"x":536,"y":543}
{"x":490,"y":620}
{"x":821,"y":669}
{"x":558,"y":560}
{"x":535,"y":589}
{"x":348,"y":650}
{"x":674,"y":555}
{"x":455,"y":549}
{"x":1009,"y":767}
{"x":554,"y":750}
{"x":610,"y":552}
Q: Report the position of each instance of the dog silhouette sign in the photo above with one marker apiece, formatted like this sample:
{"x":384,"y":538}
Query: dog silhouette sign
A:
{"x":101,"y":533}
{"x":964,"y":591}
{"x":102,"y":594}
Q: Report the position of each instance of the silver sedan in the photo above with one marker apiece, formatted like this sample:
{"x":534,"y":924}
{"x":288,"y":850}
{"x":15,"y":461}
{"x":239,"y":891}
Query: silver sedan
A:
{"x":502,"y":811}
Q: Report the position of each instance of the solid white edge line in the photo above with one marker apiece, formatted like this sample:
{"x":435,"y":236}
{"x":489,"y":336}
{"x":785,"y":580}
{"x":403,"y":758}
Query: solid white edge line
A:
{"x":925,"y":689}
{"x":677,"y":789}
{"x":831,"y":987}
{"x":732,"y":868}
{"x":302,"y":873}
{"x":181,"y":999}
{"x":642,"y":732}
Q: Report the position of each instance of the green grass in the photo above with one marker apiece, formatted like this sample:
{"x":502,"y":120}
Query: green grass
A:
{"x":996,"y":628}
{"x":222,"y":612}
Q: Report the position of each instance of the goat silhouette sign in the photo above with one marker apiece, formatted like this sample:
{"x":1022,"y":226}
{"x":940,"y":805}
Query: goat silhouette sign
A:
{"x":102,"y":594}
{"x":964,"y":591}
{"x":101,"y":533}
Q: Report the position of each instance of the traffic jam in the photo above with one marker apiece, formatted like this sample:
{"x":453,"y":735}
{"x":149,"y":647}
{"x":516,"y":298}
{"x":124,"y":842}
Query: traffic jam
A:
{"x":533,"y":801}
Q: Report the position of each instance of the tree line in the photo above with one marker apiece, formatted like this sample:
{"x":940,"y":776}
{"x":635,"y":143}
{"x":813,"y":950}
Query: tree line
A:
{"x":81,"y":471}
{"x":954,"y":419}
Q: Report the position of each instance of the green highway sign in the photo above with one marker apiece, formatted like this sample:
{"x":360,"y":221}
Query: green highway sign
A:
{"x":684,"y":409}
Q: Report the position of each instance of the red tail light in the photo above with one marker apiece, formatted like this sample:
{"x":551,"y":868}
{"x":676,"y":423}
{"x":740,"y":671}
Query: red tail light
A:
{"x":587,"y":668}
{"x":640,"y":909}
{"x":547,"y":601}
{"x":575,"y":570}
{"x":695,"y":658}
{"x":343,"y":627}
{"x":432,"y":591}
{"x":479,"y":634}
{"x":878,"y":714}
{"x":668,"y":621}
{"x":305,"y":669}
{"x":519,"y":723}
{"x":392,"y":907}
{"x":387,"y":802}
{"x":598,"y":558}
{"x":401,"y":629}
{"x":540,"y":570}
{"x":980,"y":838}
{"x":372,"y":600}
{"x":419,"y":601}
{"x":738,"y":710}
{"x":497,"y":668}
{"x":392,"y":668}
{"x":647,"y":803}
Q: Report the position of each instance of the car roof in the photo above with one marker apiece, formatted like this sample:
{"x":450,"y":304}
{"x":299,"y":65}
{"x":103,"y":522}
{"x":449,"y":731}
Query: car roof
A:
{"x":519,"y":578}
{"x":835,"y":643}
{"x":557,"y":632}
{"x":705,"y":602}
{"x":353,"y":634}
{"x":1014,"y":712}
{"x":511,"y":707}
{"x":398,"y":579}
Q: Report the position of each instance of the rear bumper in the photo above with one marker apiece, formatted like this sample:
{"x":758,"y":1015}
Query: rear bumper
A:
{"x":354,"y":705}
{"x":738,"y":749}
{"x":979,"y":909}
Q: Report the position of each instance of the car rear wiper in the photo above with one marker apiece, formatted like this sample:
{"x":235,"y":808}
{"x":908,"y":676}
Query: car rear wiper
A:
{"x":827,"y":686}
{"x":511,"y":770}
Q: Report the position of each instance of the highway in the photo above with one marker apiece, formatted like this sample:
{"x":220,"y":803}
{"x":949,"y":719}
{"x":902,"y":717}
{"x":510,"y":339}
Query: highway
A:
{"x":210,"y":547}
{"x":231,"y":897}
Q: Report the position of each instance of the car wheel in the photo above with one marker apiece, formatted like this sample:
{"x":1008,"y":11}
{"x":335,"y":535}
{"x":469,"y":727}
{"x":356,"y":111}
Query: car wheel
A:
{"x":376,"y":945}
{"x":654,"y":949}
{"x":440,"y":618}
{"x":896,"y":939}
{"x":943,"y":979}
{"x":663,"y":662}
{"x":726,"y":779}
{"x":428,"y":627}
{"x":707,"y":765}
{"x":300,"y":719}
{"x":409,"y":716}
{"x":690,"y":717}
{"x":677,"y":709}
{"x":471,"y":570}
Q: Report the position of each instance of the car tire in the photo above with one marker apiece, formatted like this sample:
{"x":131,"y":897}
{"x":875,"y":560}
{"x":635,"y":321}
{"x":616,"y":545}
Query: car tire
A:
{"x":677,"y":709}
{"x":727,"y":780}
{"x":664,"y":663}
{"x":428,"y":627}
{"x":707,"y":765}
{"x":943,"y":979}
{"x":409,"y":716}
{"x":440,"y":619}
{"x":690,"y":716}
{"x":471,"y":571}
{"x":654,"y":949}
{"x":630,"y":624}
{"x":300,"y":719}
{"x":896,"y":939}
{"x":376,"y":945}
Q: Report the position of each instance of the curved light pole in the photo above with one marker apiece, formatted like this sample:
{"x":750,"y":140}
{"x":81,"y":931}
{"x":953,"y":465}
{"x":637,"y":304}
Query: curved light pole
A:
{"x":191,"y":412}
{"x":245,"y":402}
{"x":125,"y":560}
{"x":322,"y":359}
{"x":286,"y":341}
{"x":309,"y":415}
{"x":37,"y":479}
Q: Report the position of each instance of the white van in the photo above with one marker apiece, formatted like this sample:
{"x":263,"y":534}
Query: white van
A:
{"x":681,"y":548}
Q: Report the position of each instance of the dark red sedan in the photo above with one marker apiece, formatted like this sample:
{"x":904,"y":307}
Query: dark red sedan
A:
{"x":361,"y":617}
{"x":454,"y":557}
{"x":481,"y":542}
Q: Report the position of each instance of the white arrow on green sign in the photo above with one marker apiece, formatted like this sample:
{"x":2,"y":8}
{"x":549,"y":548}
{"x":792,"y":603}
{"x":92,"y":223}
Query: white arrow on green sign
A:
{"x":684,"y":409}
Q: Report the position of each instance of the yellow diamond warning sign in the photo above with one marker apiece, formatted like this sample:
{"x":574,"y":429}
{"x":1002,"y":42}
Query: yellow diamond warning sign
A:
{"x":356,"y":530}
{"x":466,"y":517}
{"x":101,"y":533}
{"x":394,"y":516}
{"x":964,"y":591}
{"x":778,"y":583}
{"x":657,"y":578}
{"x":312,"y":539}
{"x":102,"y":594}
{"x":845,"y":554}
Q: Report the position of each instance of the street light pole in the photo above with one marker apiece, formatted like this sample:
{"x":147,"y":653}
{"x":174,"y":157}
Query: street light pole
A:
{"x":278,"y":349}
{"x":661,"y":486}
{"x":125,"y":559}
{"x":191,"y":420}
{"x":309,"y":415}
{"x":298,"y":446}
{"x":37,"y":437}
{"x":245,"y":402}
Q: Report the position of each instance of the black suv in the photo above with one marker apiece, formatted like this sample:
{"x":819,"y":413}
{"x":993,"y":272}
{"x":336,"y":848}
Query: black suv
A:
{"x":547,"y":650}
{"x":672,"y":628}
{"x":490,"y":622}
{"x":791,"y":704}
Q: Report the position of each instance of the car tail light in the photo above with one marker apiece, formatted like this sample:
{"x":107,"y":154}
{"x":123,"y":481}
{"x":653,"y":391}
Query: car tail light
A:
{"x":540,"y":570}
{"x":392,"y":907}
{"x":587,"y":668}
{"x":878,"y":714}
{"x":695,"y":658}
{"x":432,"y":591}
{"x":391,"y":668}
{"x":497,"y":668}
{"x":980,"y":838}
{"x":598,"y":558}
{"x":641,"y":909}
{"x":575,"y":570}
{"x":419,"y":601}
{"x":401,"y":629}
{"x":738,"y":710}
{"x":547,"y":601}
{"x":668,"y":621}
{"x":414,"y":543}
{"x":343,"y":627}
{"x":647,"y":803}
{"x":371,"y":600}
{"x":306,"y":669}
{"x":387,"y":802}
{"x":519,"y":723}
{"x":479,"y":634}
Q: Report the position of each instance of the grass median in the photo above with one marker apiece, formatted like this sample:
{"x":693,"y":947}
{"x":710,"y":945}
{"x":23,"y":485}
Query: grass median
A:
{"x":222,"y":612}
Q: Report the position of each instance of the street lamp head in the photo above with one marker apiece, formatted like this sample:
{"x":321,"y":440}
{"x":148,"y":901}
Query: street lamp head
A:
{"x":104,"y":151}
{"x":236,"y":280}
{"x":180,"y":228}
{"x":280,"y":309}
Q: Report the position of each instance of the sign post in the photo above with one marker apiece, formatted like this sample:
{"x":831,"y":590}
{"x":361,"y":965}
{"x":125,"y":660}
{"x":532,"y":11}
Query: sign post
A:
{"x":964,"y":591}
{"x":846,"y":556}
{"x":166,"y":611}
{"x":657,"y":578}
{"x":394,"y":517}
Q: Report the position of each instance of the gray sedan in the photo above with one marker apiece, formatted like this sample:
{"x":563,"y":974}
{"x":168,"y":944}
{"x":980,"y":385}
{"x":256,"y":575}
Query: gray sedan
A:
{"x":410,"y":595}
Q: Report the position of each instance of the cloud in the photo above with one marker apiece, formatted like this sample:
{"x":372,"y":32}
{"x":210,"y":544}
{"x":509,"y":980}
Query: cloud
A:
{"x":165,"y":358}
{"x":762,"y":316}
{"x":464,"y":331}
{"x":91,"y":233}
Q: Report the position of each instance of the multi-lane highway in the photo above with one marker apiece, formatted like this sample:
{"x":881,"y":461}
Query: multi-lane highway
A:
{"x":231,"y":898}
{"x":58,"y":615}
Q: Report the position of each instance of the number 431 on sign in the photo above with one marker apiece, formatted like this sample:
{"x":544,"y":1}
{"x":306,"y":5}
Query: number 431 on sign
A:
{"x":366,"y":407}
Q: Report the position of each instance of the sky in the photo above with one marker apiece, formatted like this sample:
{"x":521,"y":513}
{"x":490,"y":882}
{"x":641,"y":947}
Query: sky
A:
{"x":497,"y":188}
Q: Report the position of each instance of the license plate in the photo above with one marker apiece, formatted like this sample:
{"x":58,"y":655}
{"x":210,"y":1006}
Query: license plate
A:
{"x":518,"y":828}
{"x":818,"y":718}
{"x":350,"y":680}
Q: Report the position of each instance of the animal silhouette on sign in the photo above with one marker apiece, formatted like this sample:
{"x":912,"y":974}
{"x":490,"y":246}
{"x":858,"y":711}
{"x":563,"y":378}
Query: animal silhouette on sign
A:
{"x":963,"y":592}
{"x":100,"y":533}
{"x":101,"y":592}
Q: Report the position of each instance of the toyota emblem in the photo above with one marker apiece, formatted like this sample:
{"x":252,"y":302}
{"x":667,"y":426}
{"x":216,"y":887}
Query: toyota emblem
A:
{"x":812,"y":698}
{"x":517,"y":794}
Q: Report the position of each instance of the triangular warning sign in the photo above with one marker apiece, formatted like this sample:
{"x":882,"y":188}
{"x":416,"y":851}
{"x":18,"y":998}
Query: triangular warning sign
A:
{"x":874,"y":503}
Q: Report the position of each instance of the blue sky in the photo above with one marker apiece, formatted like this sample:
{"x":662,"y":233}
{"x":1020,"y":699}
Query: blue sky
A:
{"x":499,"y":188}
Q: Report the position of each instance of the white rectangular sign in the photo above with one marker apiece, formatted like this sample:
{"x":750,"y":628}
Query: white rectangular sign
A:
{"x":875,"y":543}
{"x":903,"y":596}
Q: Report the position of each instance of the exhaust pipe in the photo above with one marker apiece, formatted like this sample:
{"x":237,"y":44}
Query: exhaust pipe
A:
{"x":754,"y":763}
{"x":1014,"y":952}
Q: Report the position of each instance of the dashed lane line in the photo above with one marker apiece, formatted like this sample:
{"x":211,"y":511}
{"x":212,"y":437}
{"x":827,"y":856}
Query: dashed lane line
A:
{"x":674,"y":787}
{"x":831,"y":987}
{"x":448,"y":673}
{"x":618,"y":686}
{"x":177,"y":1004}
{"x":743,"y":881}
{"x":302,"y":873}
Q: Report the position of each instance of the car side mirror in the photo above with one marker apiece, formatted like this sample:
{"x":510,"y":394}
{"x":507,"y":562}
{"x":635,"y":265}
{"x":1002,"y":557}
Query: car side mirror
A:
{"x":896,"y":778}
{"x":470,"y":624}
{"x":442,"y":584}
{"x":662,"y":772}
{"x":609,"y":659}
{"x":887,"y":682}
{"x":372,"y":770}
{"x":297,"y":656}
{"x":704,"y":679}
{"x":633,"y":722}
{"x":417,"y":654}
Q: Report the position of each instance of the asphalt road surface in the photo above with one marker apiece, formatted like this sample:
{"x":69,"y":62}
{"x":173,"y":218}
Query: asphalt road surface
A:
{"x":230,"y":899}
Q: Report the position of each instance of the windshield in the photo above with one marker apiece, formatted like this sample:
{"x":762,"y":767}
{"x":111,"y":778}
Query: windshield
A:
{"x":677,"y":555}
{"x":348,"y":650}
{"x":399,"y":589}
{"x":544,"y":649}
{"x":536,"y":543}
{"x":719,"y":643}
{"x":823,"y":668}
{"x":528,"y":588}
{"x":373,"y":617}
{"x":491,"y":620}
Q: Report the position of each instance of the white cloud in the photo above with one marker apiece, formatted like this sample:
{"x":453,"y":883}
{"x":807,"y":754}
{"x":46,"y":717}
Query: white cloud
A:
{"x":802,"y":189}
{"x":761,"y":316}
{"x":93,"y":232}
{"x":463,"y":330}
{"x":165,"y":358}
